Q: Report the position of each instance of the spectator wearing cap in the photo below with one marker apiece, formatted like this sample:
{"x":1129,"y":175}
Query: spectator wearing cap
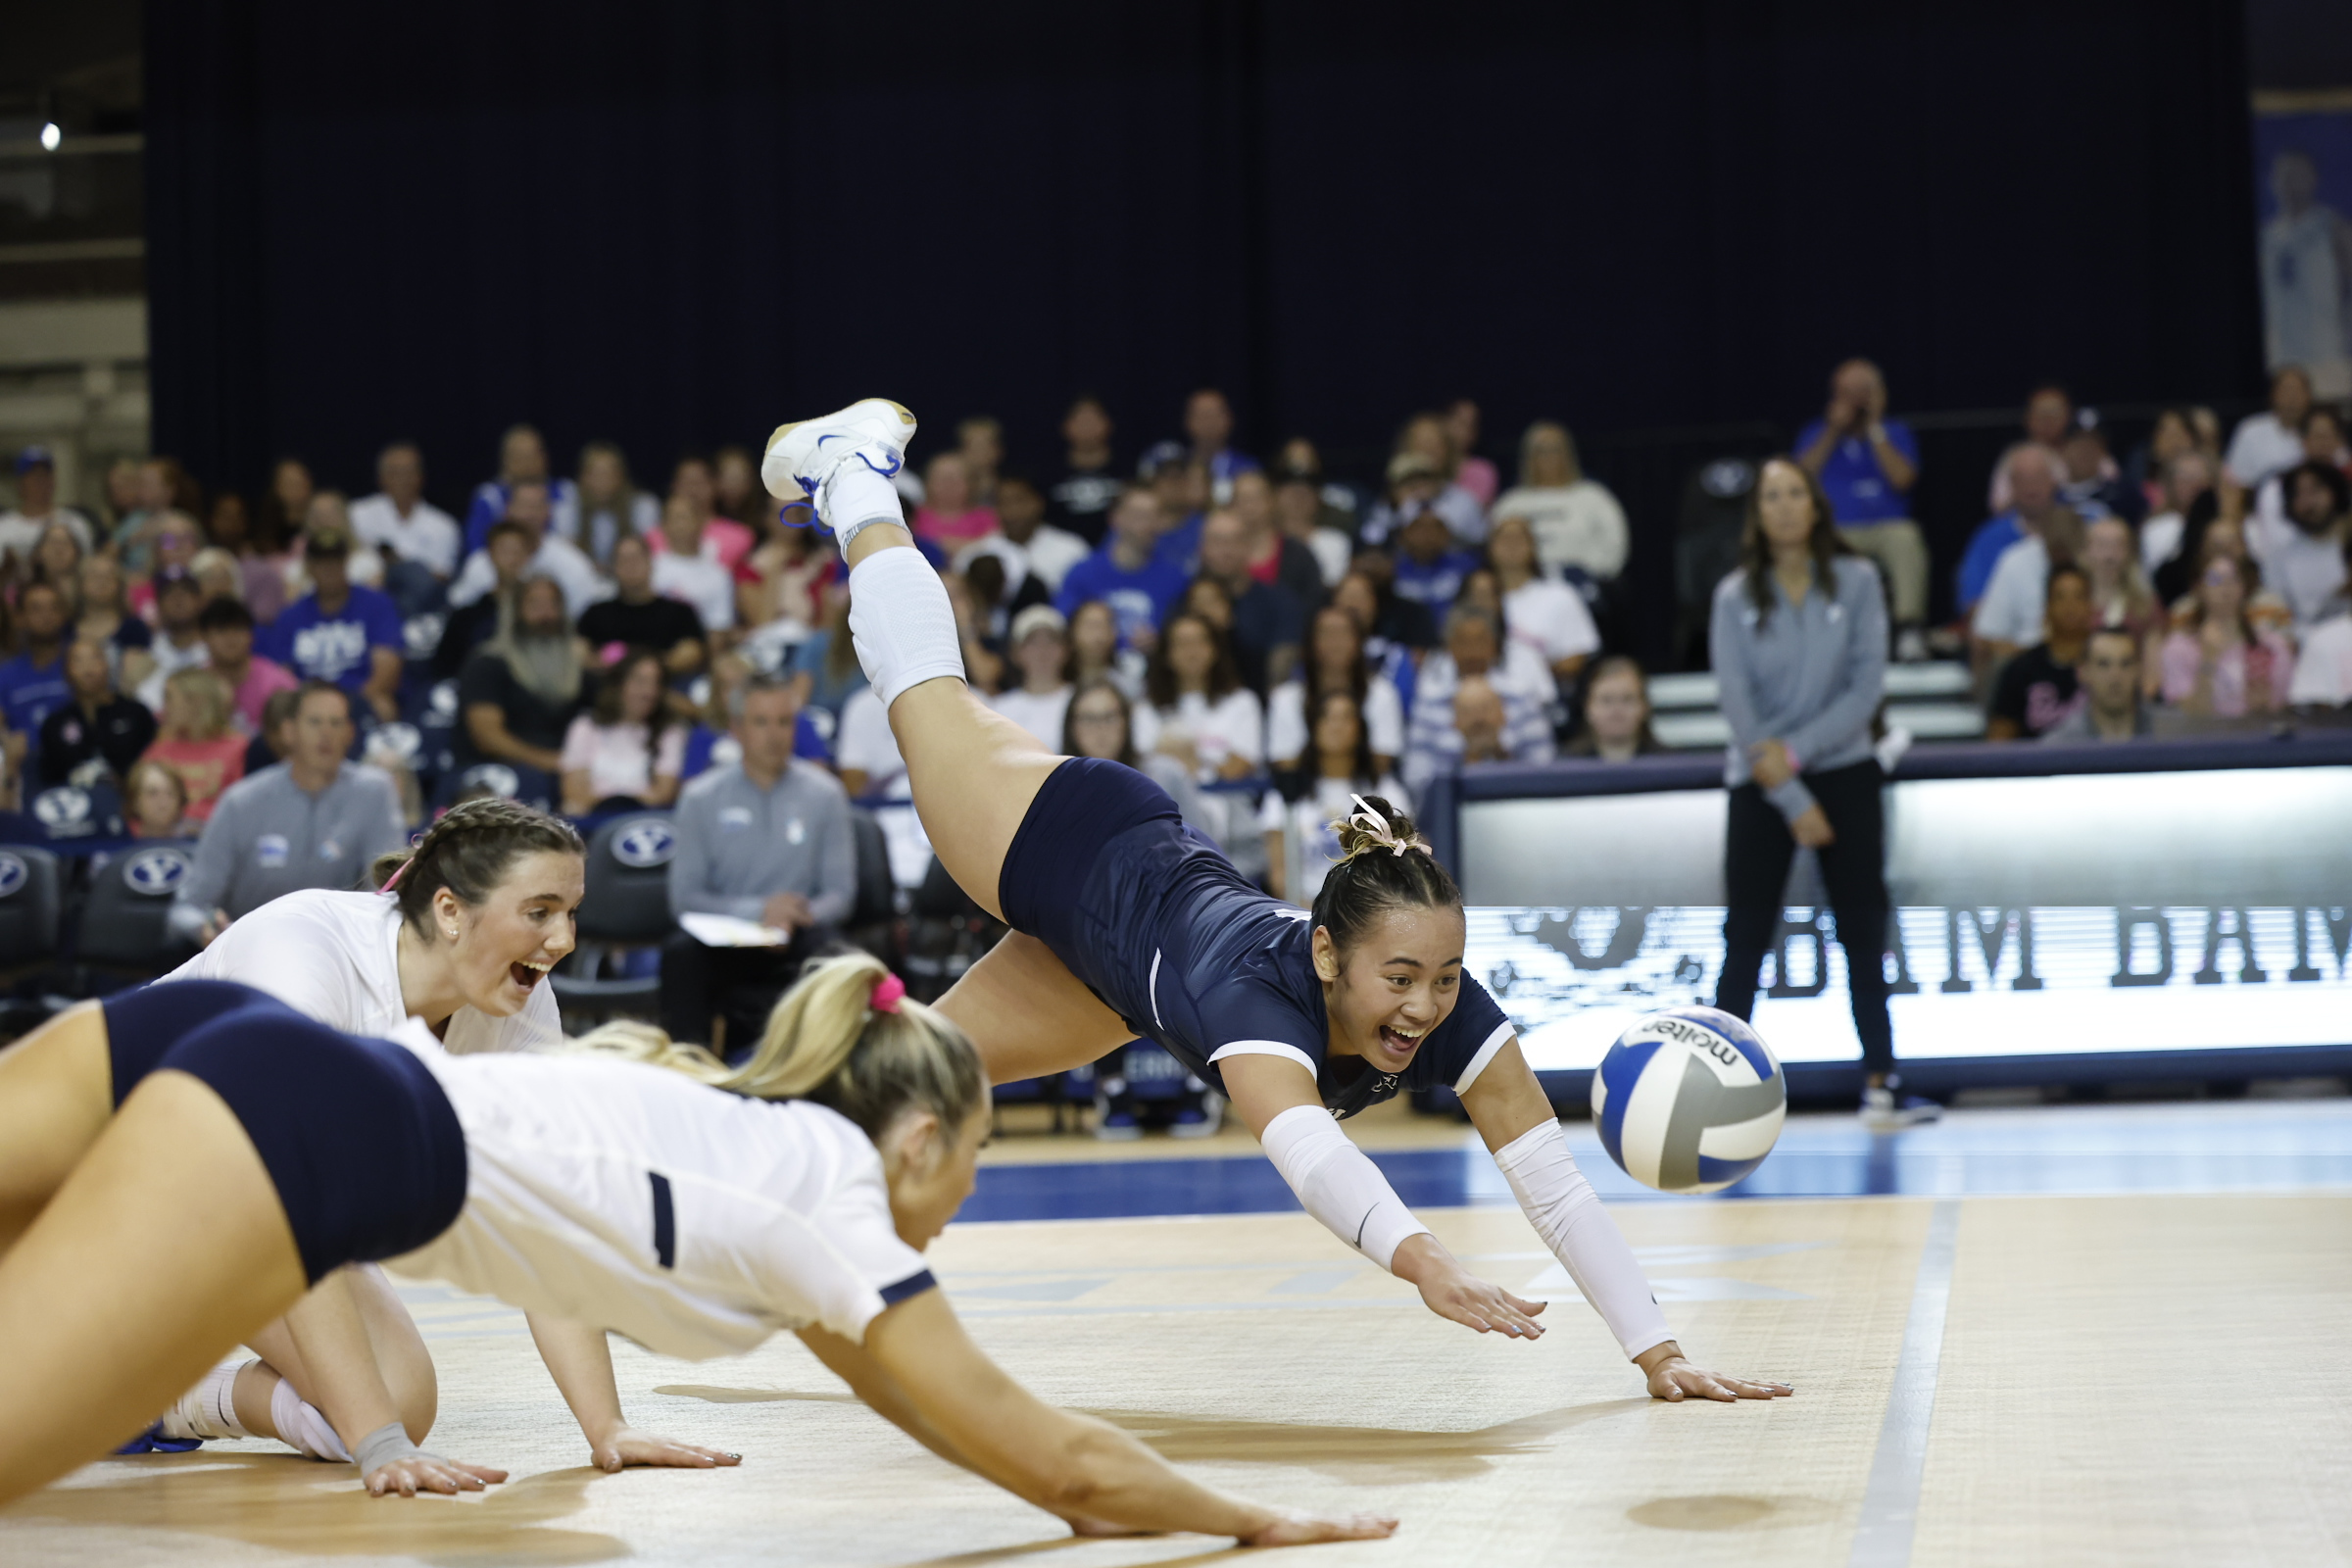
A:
{"x":1476,"y":651}
{"x":1867,"y":464}
{"x":2111,"y":706}
{"x":400,"y":523}
{"x":522,"y":461}
{"x":2302,"y":553}
{"x":340,"y":632}
{"x":767,"y":839}
{"x":1126,"y":573}
{"x":1304,"y":515}
{"x":1208,"y":428}
{"x":529,"y":507}
{"x":1080,"y":499}
{"x":1268,"y":623}
{"x":32,"y":684}
{"x":313,"y":821}
{"x":1033,"y":550}
{"x":196,"y":741}
{"x":36,"y":508}
{"x":639,"y":614}
{"x":2040,"y":687}
{"x":1039,"y":648}
{"x":178,"y":642}
{"x":1430,"y":563}
{"x":97,"y":722}
{"x":1418,"y":486}
{"x":1578,"y":522}
{"x":2270,"y":442}
{"x":252,"y":679}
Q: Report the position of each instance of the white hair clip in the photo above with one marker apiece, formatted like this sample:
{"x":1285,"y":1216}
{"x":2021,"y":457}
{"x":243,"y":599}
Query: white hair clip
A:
{"x":1381,"y":833}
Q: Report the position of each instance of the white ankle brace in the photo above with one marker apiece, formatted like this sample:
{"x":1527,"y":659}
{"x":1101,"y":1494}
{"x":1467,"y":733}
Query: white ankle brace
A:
{"x":210,"y":1409}
{"x":302,"y":1427}
{"x":900,"y":622}
{"x":856,"y":496}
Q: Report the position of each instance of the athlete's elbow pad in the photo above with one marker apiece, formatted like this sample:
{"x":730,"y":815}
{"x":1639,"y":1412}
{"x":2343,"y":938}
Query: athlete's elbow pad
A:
{"x":1337,"y":1183}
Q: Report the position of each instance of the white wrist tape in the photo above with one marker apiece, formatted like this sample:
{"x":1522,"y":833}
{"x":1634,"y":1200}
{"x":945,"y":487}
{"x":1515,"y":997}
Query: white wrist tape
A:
{"x":384,"y":1445}
{"x":304,"y":1427}
{"x":900,"y":620}
{"x":1567,"y":1213}
{"x":1337,"y":1183}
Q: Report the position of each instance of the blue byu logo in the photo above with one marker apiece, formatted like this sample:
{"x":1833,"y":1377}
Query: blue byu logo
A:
{"x":65,"y":810}
{"x":645,"y":844}
{"x":13,"y":874}
{"x":156,"y":872}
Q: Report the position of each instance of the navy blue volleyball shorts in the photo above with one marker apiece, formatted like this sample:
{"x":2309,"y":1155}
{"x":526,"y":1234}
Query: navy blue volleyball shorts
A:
{"x":362,"y":1146}
{"x":1085,"y":803}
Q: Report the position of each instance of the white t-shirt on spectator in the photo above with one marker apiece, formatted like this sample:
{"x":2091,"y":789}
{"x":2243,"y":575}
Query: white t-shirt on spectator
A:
{"x":169,"y":661}
{"x":2260,"y":447}
{"x":19,"y":533}
{"x":1048,"y":557}
{"x":557,"y":557}
{"x":2160,"y":540}
{"x":1308,"y":841}
{"x":1041,"y":715}
{"x":2304,"y":570}
{"x":1288,"y":731}
{"x":1233,"y":725}
{"x":335,"y":957}
{"x":617,"y":759}
{"x":1549,"y":618}
{"x":2324,"y":674}
{"x":427,"y":535}
{"x":1334,"y":553}
{"x":700,"y":581}
{"x":2013,"y":602}
{"x":1578,"y":525}
{"x":866,"y":744}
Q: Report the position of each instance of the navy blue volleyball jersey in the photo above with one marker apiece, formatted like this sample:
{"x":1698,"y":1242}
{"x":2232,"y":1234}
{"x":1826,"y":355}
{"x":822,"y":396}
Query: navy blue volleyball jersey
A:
{"x":1194,"y":958}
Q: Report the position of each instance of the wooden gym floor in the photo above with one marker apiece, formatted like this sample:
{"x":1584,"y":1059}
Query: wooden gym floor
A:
{"x":2080,"y":1335}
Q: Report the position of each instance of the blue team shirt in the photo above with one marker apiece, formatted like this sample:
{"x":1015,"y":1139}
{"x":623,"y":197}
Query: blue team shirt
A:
{"x":1139,"y":599}
{"x":704,"y":747}
{"x":1180,"y":545}
{"x":28,"y":694}
{"x":1853,"y":479}
{"x":1436,"y":583}
{"x":1197,"y":960}
{"x":318,"y":646}
{"x":1992,"y":536}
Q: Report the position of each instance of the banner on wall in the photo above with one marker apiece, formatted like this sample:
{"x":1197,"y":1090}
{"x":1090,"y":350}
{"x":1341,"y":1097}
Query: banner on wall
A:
{"x":2303,"y":179}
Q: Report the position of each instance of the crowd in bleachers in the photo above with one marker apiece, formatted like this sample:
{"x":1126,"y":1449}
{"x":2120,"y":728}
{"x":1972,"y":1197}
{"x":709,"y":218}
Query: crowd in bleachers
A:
{"x":1261,"y":635}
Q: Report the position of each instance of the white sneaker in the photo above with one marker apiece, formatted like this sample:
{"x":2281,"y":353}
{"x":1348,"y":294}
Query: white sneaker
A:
{"x":1883,"y":1113}
{"x":801,"y":457}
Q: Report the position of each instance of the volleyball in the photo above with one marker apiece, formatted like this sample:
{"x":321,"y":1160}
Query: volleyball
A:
{"x":1689,"y":1100}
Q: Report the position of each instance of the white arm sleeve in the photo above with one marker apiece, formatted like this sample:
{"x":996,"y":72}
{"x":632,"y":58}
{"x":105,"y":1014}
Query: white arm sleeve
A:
{"x":1567,"y":1213}
{"x":1337,"y":1183}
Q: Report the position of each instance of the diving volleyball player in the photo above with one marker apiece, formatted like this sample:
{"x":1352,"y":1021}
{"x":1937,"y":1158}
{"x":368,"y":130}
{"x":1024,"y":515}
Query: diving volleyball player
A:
{"x":695,"y":1209}
{"x":462,"y":938}
{"x":1125,"y":923}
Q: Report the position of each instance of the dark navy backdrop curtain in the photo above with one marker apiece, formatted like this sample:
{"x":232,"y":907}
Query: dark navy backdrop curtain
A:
{"x":674,"y":224}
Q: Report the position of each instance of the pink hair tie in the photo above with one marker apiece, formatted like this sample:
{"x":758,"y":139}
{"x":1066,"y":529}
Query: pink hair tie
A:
{"x":889,"y":991}
{"x":399,"y":872}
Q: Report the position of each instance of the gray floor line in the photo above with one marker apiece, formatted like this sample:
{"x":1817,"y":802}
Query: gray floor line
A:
{"x":1891,"y":1504}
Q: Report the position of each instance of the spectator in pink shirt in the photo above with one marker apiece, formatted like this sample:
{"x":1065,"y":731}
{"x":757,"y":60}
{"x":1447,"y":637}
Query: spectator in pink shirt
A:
{"x":950,"y":515}
{"x":2215,"y":663}
{"x":251,"y":679}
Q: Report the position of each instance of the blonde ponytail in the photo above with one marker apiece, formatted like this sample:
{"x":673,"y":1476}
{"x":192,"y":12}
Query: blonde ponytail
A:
{"x":826,"y":1042}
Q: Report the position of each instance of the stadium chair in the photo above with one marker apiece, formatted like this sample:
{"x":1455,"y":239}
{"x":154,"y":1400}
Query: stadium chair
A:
{"x":873,"y":920}
{"x":30,"y":901}
{"x":124,"y":929}
{"x":627,"y":906}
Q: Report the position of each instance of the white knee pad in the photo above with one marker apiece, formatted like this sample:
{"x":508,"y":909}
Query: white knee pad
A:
{"x":901,"y":623}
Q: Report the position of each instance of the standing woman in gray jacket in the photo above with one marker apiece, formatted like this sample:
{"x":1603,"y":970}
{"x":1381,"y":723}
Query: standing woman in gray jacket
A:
{"x":1798,"y":643}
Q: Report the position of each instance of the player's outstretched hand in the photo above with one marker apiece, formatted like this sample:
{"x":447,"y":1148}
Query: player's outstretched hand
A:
{"x":1452,"y":1292}
{"x":1674,"y":1380}
{"x":428,"y":1472}
{"x":1292,"y":1527}
{"x":627,"y":1446}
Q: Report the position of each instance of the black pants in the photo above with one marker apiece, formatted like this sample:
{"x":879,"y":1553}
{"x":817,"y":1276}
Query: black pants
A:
{"x":738,"y":984}
{"x":1757,"y":847}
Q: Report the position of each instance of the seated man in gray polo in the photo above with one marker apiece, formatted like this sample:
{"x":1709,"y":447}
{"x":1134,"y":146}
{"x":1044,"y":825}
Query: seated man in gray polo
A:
{"x":315,"y":820}
{"x":766,"y":839}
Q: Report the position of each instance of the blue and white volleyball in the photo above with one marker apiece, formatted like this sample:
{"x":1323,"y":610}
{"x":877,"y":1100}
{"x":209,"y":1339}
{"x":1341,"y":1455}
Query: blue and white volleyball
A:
{"x":1689,"y":1100}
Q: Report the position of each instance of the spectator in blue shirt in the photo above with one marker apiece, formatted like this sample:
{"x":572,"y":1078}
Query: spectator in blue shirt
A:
{"x":1430,"y":564}
{"x":1867,"y":464}
{"x":2033,"y":473}
{"x":32,"y":685}
{"x":521,"y":457}
{"x":340,"y":632}
{"x":1124,"y":574}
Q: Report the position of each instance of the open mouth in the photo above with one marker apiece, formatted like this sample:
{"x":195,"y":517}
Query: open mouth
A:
{"x":526,"y":975}
{"x":1398,"y":1042}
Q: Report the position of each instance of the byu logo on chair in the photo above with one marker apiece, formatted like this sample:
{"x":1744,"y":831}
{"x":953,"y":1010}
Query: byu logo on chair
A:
{"x":644,"y":845}
{"x":155,"y":873}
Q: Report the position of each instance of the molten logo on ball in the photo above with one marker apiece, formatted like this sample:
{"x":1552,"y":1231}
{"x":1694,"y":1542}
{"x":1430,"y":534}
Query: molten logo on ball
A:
{"x":1688,"y":1100}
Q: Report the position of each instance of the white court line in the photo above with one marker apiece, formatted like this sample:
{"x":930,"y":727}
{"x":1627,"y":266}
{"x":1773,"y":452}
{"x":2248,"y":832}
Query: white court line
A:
{"x":1891,"y":1504}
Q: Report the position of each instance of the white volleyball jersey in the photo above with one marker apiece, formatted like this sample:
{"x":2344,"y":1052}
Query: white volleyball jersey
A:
{"x":634,"y":1198}
{"x":335,"y":957}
